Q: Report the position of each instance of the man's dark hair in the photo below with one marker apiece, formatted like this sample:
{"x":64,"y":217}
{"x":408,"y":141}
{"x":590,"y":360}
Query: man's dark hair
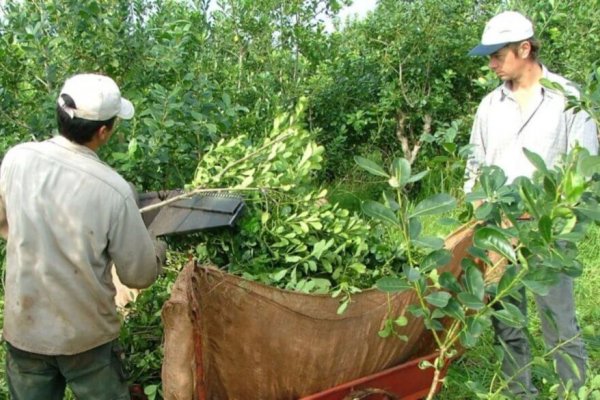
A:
{"x":75,"y":129}
{"x":535,"y":47}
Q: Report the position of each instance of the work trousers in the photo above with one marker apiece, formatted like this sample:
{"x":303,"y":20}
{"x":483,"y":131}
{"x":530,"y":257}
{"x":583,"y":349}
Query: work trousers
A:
{"x":559,"y":328}
{"x":96,"y":374}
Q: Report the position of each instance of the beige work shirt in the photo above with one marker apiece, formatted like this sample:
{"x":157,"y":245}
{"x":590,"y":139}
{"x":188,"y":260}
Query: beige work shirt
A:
{"x":68,"y":215}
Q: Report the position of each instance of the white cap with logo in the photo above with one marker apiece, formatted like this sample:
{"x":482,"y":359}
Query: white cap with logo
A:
{"x":96,"y":97}
{"x":504,"y":28}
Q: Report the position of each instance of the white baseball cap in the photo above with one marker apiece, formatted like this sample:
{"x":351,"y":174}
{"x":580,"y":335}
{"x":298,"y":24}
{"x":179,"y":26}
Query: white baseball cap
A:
{"x":96,"y":97}
{"x":504,"y":28}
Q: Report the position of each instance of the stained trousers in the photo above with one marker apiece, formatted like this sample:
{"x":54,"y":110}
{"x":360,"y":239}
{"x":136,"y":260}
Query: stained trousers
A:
{"x":96,"y":374}
{"x":559,"y":328}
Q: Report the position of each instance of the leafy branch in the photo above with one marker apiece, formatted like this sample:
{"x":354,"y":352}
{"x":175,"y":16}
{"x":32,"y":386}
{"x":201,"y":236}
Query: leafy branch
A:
{"x":533,"y":223}
{"x":229,"y":166}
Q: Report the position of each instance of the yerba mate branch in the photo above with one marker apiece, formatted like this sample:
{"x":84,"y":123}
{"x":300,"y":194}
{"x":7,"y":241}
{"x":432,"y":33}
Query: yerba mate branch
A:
{"x":228,"y":167}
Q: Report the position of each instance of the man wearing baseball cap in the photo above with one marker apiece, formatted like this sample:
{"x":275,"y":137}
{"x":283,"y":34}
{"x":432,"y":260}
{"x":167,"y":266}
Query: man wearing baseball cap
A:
{"x":67,"y":217}
{"x":521,"y":113}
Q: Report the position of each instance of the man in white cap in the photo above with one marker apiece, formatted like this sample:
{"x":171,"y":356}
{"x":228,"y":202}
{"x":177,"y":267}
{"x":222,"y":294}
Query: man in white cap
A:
{"x":521,"y":113}
{"x":66,"y":217}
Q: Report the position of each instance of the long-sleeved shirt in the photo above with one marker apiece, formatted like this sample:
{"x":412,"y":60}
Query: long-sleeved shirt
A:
{"x":67,"y":215}
{"x":501,"y":130}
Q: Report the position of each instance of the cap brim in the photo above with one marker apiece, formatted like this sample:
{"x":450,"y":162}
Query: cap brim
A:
{"x":127,"y":110}
{"x":486,"y":49}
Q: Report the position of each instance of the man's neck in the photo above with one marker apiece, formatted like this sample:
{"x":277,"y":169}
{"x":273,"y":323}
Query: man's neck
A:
{"x":92,"y":145}
{"x":529,"y":77}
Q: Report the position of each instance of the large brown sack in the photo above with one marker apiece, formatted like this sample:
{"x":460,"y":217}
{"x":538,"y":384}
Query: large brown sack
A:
{"x":257,"y":342}
{"x":178,"y":364}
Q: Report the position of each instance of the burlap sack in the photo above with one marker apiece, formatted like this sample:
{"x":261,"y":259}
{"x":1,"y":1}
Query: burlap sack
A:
{"x":493,"y":273}
{"x":178,"y":364}
{"x":257,"y":342}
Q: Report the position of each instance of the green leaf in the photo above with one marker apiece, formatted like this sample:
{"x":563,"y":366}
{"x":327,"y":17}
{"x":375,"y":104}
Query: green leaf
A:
{"x":385,"y":332}
{"x":433,"y":324}
{"x":470,"y":301}
{"x":343,"y":306}
{"x":436,"y":204}
{"x":393,"y":182}
{"x":414,"y":228}
{"x":320,"y":247}
{"x":473,"y":279}
{"x":536,"y":160}
{"x":417,"y":311}
{"x":473,"y":329}
{"x":511,"y":315}
{"x":466,"y":339}
{"x":591,"y":211}
{"x":569,"y":360}
{"x":545,"y":227}
{"x":507,"y":280}
{"x":391,"y":284}
{"x":448,"y":281}
{"x":483,"y":211}
{"x":540,"y":281}
{"x":417,"y":177}
{"x":550,"y":186}
{"x":492,"y":179}
{"x":380,"y":212}
{"x":370,"y":166}
{"x":574,"y":186}
{"x":401,"y":321}
{"x":358,"y":267}
{"x":412,"y":274}
{"x":454,"y":310}
{"x":428,"y":242}
{"x":528,"y":194}
{"x":401,"y":170}
{"x":279,"y":275}
{"x":589,"y":165}
{"x":292,"y":259}
{"x":490,"y":239}
{"x":438,"y":299}
{"x":436,"y":259}
{"x":450,"y":147}
{"x":480,"y":254}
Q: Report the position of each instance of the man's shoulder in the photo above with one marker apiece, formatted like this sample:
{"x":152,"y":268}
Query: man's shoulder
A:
{"x":22,"y":147}
{"x":490,"y":98}
{"x":17,"y":152}
{"x":568,"y":86}
{"x":58,"y":159}
{"x":106,"y":176}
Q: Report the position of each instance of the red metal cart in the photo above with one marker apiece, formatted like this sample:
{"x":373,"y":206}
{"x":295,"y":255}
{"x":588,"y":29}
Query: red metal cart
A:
{"x":403,"y":382}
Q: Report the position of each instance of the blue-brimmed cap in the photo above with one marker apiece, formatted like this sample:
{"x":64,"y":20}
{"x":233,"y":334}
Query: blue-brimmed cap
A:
{"x":504,"y":28}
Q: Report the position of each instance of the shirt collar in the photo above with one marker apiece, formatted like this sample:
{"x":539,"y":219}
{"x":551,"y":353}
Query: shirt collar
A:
{"x":72,"y":146}
{"x":505,"y":90}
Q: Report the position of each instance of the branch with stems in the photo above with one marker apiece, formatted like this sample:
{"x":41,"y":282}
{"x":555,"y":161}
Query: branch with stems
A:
{"x":529,"y":364}
{"x":199,"y":190}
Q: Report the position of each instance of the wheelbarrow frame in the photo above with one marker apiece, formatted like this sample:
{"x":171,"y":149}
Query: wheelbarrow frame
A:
{"x":407,"y":381}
